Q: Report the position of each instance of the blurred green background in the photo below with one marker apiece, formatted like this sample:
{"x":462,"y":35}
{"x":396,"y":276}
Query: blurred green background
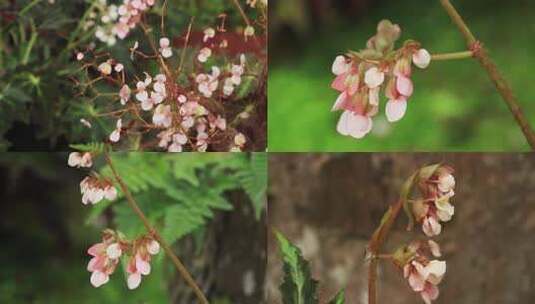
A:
{"x":45,"y":230}
{"x":455,"y":107}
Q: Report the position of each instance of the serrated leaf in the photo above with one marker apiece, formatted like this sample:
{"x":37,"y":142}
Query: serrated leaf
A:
{"x":298,"y":286}
{"x":339,"y":299}
{"x":254,"y":181}
{"x":94,"y":147}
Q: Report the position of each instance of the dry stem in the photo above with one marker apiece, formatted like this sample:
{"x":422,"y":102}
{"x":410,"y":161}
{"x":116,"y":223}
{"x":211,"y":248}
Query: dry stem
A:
{"x":168,"y":251}
{"x":492,"y":70}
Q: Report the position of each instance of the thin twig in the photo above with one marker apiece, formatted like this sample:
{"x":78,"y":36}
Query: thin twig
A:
{"x":186,"y":42}
{"x":168,"y":251}
{"x":492,"y":70}
{"x":452,"y":56}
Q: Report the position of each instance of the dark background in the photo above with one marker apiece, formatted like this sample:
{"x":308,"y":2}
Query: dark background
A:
{"x":45,"y":235}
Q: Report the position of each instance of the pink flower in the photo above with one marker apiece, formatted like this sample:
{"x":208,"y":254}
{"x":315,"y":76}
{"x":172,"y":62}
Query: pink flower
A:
{"x":139,"y":263}
{"x":106,"y":256}
{"x":204,"y":54}
{"x":162,"y":116}
{"x":208,"y":83}
{"x":435,"y":206}
{"x":115,"y":136}
{"x":124,"y":94}
{"x":354,"y":124}
{"x":209,"y":33}
{"x":94,"y":190}
{"x":424,"y":279}
{"x":78,"y":160}
{"x":165,"y":49}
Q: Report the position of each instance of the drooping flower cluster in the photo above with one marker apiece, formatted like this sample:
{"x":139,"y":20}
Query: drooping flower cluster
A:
{"x":95,"y":189}
{"x":435,"y":206}
{"x":360,"y":76}
{"x":106,"y":256}
{"x":422,"y":273}
{"x":139,"y":263}
{"x":115,"y":21}
{"x":78,"y":160}
{"x":172,"y":110}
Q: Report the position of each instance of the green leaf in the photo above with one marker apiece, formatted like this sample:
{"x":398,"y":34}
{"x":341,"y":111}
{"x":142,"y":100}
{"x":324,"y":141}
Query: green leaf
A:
{"x":95,"y":147}
{"x":254,"y":181}
{"x":339,"y":299}
{"x":298,"y":286}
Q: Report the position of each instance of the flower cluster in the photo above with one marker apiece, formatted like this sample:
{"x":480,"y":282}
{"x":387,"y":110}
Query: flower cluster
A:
{"x":174,"y":111}
{"x":78,"y":160}
{"x":95,"y":189}
{"x":139,"y":263}
{"x":360,"y":76}
{"x":116,"y":21}
{"x":422,"y":273}
{"x":107,"y":254}
{"x":435,"y":207}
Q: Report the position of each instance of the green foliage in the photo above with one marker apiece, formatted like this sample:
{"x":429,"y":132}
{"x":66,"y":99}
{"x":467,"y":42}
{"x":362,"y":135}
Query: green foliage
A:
{"x":95,"y":147}
{"x":180,"y":193}
{"x":254,"y":181}
{"x":298,"y":286}
{"x":455,"y":107}
{"x":339,"y":298}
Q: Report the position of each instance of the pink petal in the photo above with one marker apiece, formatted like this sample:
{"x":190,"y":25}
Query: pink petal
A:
{"x":404,"y":86}
{"x":429,"y":293}
{"x":339,"y":82}
{"x":96,"y":249}
{"x":342,"y":126}
{"x":359,"y":125}
{"x":142,"y":266}
{"x":416,"y":281}
{"x":99,"y":278}
{"x":395,"y":109}
{"x":339,"y":102}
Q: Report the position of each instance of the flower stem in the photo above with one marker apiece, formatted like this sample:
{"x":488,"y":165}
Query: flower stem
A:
{"x":375,"y":245}
{"x":168,"y":251}
{"x":452,"y":56}
{"x":492,"y":70}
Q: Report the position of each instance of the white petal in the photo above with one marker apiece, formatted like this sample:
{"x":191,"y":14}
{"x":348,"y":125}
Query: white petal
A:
{"x":133,"y":280}
{"x":395,"y":110}
{"x":99,"y":278}
{"x":114,"y":251}
{"x":340,"y":66}
{"x":342,"y":126}
{"x":421,"y":58}
{"x":153,"y":247}
{"x":374,"y":78}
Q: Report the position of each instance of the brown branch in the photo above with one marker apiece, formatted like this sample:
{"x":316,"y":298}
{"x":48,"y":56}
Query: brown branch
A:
{"x":492,"y":70}
{"x":168,"y":251}
{"x":375,"y":246}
